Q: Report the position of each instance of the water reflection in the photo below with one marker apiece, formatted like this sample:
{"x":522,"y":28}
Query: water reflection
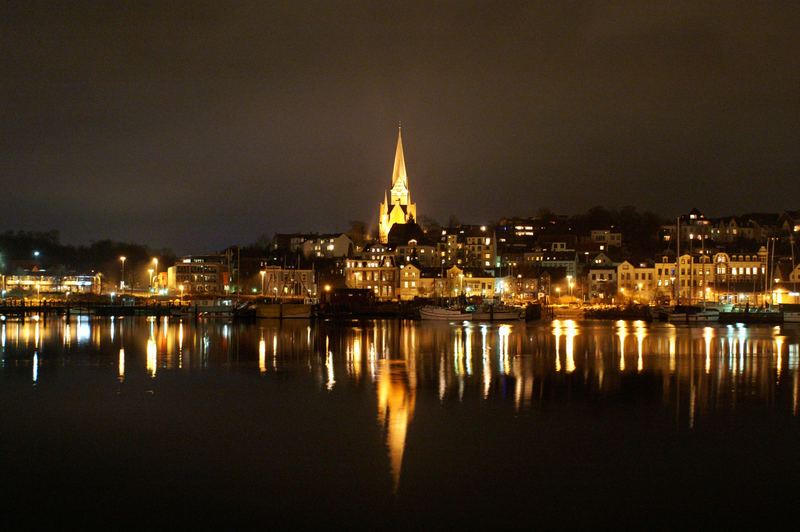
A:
{"x":695,"y":372}
{"x":395,"y":411}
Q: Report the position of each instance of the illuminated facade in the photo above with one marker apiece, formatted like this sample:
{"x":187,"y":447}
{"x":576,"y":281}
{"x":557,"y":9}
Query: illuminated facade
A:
{"x":38,"y":283}
{"x":199,"y":275}
{"x":397,"y":206}
{"x":379,"y":275}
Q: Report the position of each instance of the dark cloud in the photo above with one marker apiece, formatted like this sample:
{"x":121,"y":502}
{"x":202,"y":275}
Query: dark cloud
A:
{"x":194,"y":125}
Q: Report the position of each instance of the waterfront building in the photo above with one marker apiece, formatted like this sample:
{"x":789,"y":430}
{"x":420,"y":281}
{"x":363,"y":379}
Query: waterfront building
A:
{"x":471,"y":282}
{"x":738,"y":276}
{"x":636,"y":281}
{"x":786,"y":283}
{"x":40,"y":282}
{"x":602,"y":283}
{"x":379,"y":275}
{"x":199,"y":275}
{"x":285,"y":282}
{"x":713,"y":276}
{"x":397,"y":206}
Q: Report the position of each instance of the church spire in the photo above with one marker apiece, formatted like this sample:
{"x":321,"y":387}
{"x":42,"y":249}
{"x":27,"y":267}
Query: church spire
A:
{"x":399,"y":170}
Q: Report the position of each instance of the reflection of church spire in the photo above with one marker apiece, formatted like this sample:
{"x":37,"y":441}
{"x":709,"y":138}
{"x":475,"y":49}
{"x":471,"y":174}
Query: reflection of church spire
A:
{"x":395,"y":411}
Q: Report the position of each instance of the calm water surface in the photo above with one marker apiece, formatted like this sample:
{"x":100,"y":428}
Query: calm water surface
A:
{"x":397,"y":424}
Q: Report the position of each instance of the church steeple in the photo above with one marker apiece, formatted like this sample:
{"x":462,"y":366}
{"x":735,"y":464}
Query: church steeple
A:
{"x":399,"y":170}
{"x":397,"y":206}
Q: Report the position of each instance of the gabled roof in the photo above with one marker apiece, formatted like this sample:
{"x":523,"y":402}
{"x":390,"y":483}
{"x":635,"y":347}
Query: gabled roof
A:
{"x":783,"y":271}
{"x":400,"y":234}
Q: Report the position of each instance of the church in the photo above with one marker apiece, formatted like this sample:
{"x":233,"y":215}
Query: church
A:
{"x":397,"y":206}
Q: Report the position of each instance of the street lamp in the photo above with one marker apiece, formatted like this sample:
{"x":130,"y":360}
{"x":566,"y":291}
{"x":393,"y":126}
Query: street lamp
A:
{"x":263,"y":273}
{"x":180,"y":287}
{"x":569,"y":282}
{"x":122,"y":279}
{"x":150,"y":277}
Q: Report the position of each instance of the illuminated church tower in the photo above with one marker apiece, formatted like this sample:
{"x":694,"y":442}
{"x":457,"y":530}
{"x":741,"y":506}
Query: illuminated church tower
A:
{"x":396,"y":207}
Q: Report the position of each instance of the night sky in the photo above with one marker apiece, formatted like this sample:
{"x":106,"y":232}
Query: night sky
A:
{"x":197,"y":125}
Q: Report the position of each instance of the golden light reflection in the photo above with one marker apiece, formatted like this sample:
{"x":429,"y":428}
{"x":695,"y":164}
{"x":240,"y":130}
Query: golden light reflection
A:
{"x":121,"y":365}
{"x":571,"y":333}
{"x":672,"y":348}
{"x":262,"y":354}
{"x":504,"y":332}
{"x":354,"y":356}
{"x":274,"y":351}
{"x":396,"y":401}
{"x":329,"y":365}
{"x":622,"y":332}
{"x":557,"y":333}
{"x":83,"y":330}
{"x":742,"y":335}
{"x":152,"y":357}
{"x":468,"y":349}
{"x":485,"y":360}
{"x":779,"y":356}
{"x":641,"y":333}
{"x":708,"y":335}
{"x":180,"y":344}
{"x":458,"y":354}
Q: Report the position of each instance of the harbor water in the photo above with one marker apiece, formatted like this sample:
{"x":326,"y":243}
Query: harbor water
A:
{"x":154,"y":422}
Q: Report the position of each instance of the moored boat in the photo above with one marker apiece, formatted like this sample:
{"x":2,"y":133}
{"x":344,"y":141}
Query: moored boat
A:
{"x":285,"y":310}
{"x":497,"y":313}
{"x":791,"y":313}
{"x":692,"y":314}
{"x":430,"y":312}
{"x":752,"y":316}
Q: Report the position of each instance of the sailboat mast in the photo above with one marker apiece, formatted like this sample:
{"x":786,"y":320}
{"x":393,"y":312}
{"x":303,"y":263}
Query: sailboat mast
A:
{"x":703,"y":266}
{"x":792,"y":275}
{"x":770,"y":270}
{"x":678,"y":259}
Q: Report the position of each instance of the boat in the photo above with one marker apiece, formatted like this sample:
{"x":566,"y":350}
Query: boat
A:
{"x":216,"y":307}
{"x":286,"y":309}
{"x":572,"y":312}
{"x":497,"y":312}
{"x":692,"y":314}
{"x":791,"y":313}
{"x":751,"y":315}
{"x":493,"y":312}
{"x":431,"y":312}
